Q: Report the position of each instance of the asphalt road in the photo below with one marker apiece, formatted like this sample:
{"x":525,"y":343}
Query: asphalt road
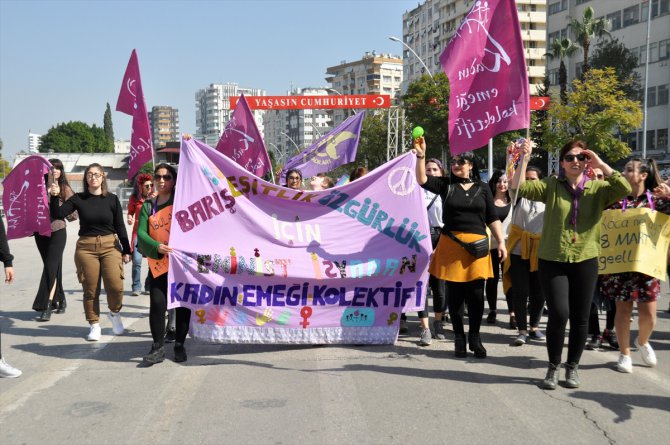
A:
{"x":76,"y":392}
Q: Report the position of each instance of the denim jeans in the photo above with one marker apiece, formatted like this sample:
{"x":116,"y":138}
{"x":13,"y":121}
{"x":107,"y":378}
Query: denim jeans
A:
{"x":137,"y":269}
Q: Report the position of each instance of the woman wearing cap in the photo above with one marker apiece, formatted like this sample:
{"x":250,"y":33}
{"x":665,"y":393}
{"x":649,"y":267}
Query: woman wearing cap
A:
{"x":569,"y":247}
{"x":467,"y":209}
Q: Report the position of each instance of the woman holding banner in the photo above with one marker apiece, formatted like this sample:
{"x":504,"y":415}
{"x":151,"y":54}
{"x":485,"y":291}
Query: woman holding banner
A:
{"x":142,"y":190}
{"x":569,"y":246}
{"x":102,"y":247}
{"x":153,"y":233}
{"x":461,"y":257}
{"x":294,"y":179}
{"x":50,"y":296}
{"x":628,"y":287}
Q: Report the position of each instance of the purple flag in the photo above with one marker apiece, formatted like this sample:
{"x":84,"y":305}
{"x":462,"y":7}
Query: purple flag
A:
{"x":261,"y":263}
{"x":131,"y":101}
{"x":487,"y":74}
{"x":335,"y":148}
{"x":25,"y":199}
{"x":242,"y":142}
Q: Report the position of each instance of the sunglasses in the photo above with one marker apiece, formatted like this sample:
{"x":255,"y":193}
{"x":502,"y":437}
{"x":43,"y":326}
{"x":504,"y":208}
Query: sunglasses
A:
{"x":163,"y":177}
{"x":459,"y":161}
{"x":148,"y":186}
{"x":581,"y":157}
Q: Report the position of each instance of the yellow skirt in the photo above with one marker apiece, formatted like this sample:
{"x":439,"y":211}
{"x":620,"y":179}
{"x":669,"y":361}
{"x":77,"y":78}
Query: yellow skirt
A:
{"x":452,"y":262}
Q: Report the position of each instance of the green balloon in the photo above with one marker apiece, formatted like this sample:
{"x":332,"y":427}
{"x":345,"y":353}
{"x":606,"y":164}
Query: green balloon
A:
{"x":417,"y":132}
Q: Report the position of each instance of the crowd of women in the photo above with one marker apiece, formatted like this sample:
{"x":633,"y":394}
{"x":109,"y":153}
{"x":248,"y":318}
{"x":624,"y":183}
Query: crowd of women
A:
{"x":545,"y":239}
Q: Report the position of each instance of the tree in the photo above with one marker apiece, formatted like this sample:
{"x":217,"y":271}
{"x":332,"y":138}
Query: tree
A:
{"x":75,"y":137}
{"x":426,"y":104}
{"x":372,"y":146}
{"x":615,"y":54}
{"x":598,"y":112}
{"x":587,"y":29}
{"x":108,"y":127}
{"x":560,"y":49}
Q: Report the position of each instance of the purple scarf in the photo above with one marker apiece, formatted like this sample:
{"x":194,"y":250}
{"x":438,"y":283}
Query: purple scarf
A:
{"x":576,"y":193}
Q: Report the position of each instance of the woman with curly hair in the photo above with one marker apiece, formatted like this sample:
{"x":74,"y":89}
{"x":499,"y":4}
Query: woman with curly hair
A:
{"x":142,"y":190}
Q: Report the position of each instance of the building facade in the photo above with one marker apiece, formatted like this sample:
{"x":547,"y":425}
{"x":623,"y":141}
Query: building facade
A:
{"x":372,"y":74}
{"x":629,"y":20}
{"x":34,"y":142}
{"x":164,"y":125}
{"x":212,"y":109}
{"x":428,"y":28}
{"x":287,"y":132}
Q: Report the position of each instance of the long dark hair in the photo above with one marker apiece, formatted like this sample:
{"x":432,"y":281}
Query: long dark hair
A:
{"x":649,"y":167}
{"x":472,"y":159}
{"x":103,"y":180}
{"x":493,"y":183}
{"x":288,"y":173}
{"x":62,"y":181}
{"x":171,"y":169}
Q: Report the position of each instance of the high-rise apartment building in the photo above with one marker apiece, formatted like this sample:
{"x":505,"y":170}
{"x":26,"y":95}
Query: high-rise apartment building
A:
{"x":372,"y":74}
{"x":629,"y":20}
{"x":212,"y":109}
{"x":287,"y":132}
{"x":164,"y":125}
{"x":428,"y":28}
{"x":33,"y":142}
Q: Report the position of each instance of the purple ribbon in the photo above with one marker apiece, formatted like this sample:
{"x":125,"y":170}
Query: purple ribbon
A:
{"x":576,"y":193}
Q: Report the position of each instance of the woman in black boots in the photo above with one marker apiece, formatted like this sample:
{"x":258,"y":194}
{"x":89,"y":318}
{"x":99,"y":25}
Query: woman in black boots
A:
{"x":467,"y":208}
{"x":153,"y":234}
{"x":50,"y":296}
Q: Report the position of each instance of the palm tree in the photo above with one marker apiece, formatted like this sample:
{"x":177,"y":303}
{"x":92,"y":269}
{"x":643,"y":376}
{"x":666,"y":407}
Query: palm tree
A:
{"x":561,"y":49}
{"x":586,"y":29}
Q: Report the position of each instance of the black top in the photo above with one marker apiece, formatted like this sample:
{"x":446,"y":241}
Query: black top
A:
{"x":5,"y":257}
{"x":98,"y":215}
{"x":502,"y":212}
{"x":467,"y":211}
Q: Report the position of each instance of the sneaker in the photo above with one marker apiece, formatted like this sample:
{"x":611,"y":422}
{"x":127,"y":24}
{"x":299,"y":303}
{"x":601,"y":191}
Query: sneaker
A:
{"x":595,"y":343}
{"x":491,"y":317}
{"x":648,"y":354}
{"x":403,"y":327}
{"x":551,"y":379}
{"x":537,"y":335}
{"x":625,"y":364}
{"x":610,"y":338}
{"x":438,"y":330}
{"x":145,"y":292}
{"x":571,"y":376}
{"x":135,"y":293}
{"x":170,"y":335}
{"x":7,"y":370}
{"x":179,"y":353}
{"x":117,"y":323}
{"x":521,"y":340}
{"x":156,"y":355}
{"x":94,"y":333}
{"x":426,"y":338}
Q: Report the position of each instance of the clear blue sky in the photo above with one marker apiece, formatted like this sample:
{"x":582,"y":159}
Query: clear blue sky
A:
{"x":63,"y":61}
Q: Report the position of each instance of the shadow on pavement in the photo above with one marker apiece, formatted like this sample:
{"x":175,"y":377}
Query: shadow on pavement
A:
{"x":623,"y":404}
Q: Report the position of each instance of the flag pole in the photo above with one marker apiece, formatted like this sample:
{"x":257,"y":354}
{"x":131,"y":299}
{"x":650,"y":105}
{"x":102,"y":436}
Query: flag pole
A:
{"x":490,"y":166}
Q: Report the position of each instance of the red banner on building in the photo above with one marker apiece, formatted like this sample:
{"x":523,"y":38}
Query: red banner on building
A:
{"x":539,"y":102}
{"x":318,"y":102}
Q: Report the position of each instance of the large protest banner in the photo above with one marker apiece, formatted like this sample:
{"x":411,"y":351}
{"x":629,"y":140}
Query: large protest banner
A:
{"x":634,"y":241}
{"x":25,"y":199}
{"x":261,"y":263}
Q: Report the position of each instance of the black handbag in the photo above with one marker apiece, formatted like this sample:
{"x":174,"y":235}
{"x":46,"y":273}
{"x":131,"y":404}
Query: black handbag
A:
{"x":478,"y":249}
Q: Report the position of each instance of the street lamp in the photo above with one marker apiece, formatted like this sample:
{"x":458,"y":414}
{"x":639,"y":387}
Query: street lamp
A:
{"x":297,"y":148}
{"x":395,"y":39}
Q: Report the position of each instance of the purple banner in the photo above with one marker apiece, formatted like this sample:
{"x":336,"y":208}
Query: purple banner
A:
{"x":25,"y":199}
{"x":242,"y":142}
{"x":486,"y":67}
{"x":260,"y":263}
{"x":335,"y":148}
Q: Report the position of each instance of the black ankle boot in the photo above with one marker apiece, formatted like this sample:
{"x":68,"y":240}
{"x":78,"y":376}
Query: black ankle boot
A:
{"x":61,"y":306}
{"x":156,"y":355}
{"x":459,"y":346}
{"x":476,"y":345}
{"x":46,"y":314}
{"x":179,"y":353}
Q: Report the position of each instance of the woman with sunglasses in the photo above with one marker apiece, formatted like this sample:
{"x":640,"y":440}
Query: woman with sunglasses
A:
{"x":143,"y":190}
{"x":153,"y":234}
{"x":570,"y":246}
{"x":294,"y":179}
{"x":467,"y":208}
{"x":102,"y":247}
{"x":50,"y":296}
{"x":626,"y":288}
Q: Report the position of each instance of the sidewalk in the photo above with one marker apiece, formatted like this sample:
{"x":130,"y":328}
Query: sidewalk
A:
{"x":76,"y":392}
